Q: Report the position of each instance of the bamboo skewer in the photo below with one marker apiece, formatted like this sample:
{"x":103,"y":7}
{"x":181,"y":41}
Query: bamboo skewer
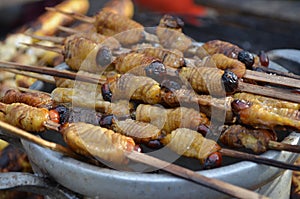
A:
{"x":52,"y":71}
{"x":37,"y":140}
{"x":215,"y":184}
{"x":269,"y":92}
{"x":283,"y":147}
{"x":44,"y":78}
{"x":77,"y":16}
{"x":187,"y":174}
{"x":56,"y":40}
{"x":273,"y":79}
{"x":277,"y":72}
{"x":56,"y":49}
{"x":258,"y":159}
{"x":68,"y":30}
{"x":28,"y":90}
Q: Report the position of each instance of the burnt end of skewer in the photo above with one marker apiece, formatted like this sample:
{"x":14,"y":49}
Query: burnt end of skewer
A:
{"x":213,"y":160}
{"x":106,"y":92}
{"x":230,"y":81}
{"x":247,"y":58}
{"x":104,"y":57}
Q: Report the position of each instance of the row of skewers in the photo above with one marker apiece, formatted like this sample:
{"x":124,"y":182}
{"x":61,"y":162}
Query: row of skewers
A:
{"x":146,"y":92}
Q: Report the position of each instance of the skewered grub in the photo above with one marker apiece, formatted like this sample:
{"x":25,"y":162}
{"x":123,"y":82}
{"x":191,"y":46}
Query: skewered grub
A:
{"x":266,"y":101}
{"x":218,"y":46}
{"x":140,"y":132}
{"x":169,"y":57}
{"x":238,"y":136}
{"x":132,"y":61}
{"x":26,"y":117}
{"x":192,"y":144}
{"x":171,"y":119}
{"x":90,"y":140}
{"x":35,"y":99}
{"x":169,"y":33}
{"x":134,"y":87}
{"x":258,"y":115}
{"x":211,"y":81}
{"x":223,"y":62}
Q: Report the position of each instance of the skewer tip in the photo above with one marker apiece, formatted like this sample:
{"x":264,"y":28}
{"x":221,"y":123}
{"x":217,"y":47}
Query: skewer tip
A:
{"x":74,"y":15}
{"x":68,"y":30}
{"x":49,"y":48}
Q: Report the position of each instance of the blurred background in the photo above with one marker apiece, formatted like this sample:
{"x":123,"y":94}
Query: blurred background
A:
{"x":254,"y":25}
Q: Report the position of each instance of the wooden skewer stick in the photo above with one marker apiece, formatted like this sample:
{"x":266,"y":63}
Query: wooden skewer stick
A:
{"x":56,"y":49}
{"x":60,"y":40}
{"x":44,"y":78}
{"x":215,"y":184}
{"x":148,"y":37}
{"x":283,"y":147}
{"x":37,"y":140}
{"x":68,"y":30}
{"x":77,"y":16}
{"x":52,"y":72}
{"x":190,"y":175}
{"x":258,"y":159}
{"x":44,"y":143}
{"x":28,"y":90}
{"x":273,"y":79}
{"x":277,"y":72}
{"x":269,"y":92}
{"x":57,"y":40}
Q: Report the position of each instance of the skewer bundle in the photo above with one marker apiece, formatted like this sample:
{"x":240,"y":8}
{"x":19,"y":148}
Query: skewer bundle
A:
{"x":165,"y":94}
